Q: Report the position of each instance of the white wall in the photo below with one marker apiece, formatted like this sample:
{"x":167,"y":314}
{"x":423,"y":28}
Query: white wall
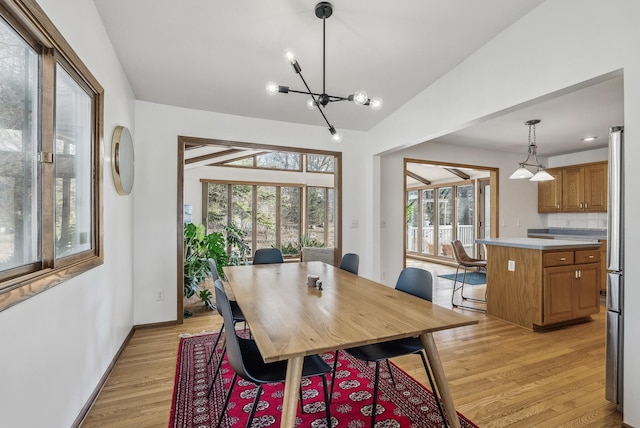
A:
{"x":193,"y":186}
{"x":56,"y":346}
{"x":157,"y":130}
{"x":549,"y":49}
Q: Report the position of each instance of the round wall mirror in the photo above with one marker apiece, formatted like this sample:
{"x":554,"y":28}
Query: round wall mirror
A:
{"x":122,"y":160}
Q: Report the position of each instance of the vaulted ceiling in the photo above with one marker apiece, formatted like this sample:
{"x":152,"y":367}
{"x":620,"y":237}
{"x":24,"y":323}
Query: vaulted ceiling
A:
{"x":218,"y":55}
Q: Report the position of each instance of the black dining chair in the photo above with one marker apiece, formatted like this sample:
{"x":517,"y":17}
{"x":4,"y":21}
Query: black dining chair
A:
{"x":419,"y":283}
{"x":265,"y":256}
{"x":238,"y":316}
{"x":246,"y":361}
{"x":350,"y":262}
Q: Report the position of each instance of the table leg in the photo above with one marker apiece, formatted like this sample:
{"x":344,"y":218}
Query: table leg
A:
{"x":440,"y":379}
{"x":291,"y":389}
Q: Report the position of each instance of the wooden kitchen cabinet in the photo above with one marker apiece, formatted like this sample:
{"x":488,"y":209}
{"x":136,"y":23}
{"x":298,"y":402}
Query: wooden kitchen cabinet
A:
{"x":576,"y":188}
{"x":550,"y":192}
{"x":584,"y":188}
{"x":571,"y":292}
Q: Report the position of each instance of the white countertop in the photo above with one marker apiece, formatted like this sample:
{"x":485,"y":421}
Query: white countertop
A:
{"x":539,"y":243}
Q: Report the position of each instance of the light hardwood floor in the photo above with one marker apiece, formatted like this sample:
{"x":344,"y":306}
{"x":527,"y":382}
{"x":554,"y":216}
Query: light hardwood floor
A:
{"x":500,"y":375}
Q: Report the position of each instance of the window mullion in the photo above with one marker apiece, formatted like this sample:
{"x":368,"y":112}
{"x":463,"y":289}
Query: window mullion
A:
{"x":47,"y":191}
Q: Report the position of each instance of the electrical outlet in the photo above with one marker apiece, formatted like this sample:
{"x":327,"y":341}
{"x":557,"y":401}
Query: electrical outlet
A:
{"x":355,"y":224}
{"x":160,"y":295}
{"x":511,"y":265}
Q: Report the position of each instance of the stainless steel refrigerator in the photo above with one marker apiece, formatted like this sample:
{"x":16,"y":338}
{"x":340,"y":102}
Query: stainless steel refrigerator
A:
{"x":615,"y":269}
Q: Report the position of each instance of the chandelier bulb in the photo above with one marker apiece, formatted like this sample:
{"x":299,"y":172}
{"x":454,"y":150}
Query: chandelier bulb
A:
{"x":334,"y":134}
{"x":376,"y":103}
{"x":360,"y":97}
{"x":311,"y":104}
{"x":289,"y":56}
{"x":272,"y":88}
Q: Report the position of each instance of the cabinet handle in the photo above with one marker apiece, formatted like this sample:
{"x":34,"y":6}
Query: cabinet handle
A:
{"x":580,"y":205}
{"x":558,"y":206}
{"x":591,"y":256}
{"x":562,"y":259}
{"x":586,"y":206}
{"x":576,"y":274}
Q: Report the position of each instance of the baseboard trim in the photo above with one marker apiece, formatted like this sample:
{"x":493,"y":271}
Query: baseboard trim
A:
{"x":103,"y":380}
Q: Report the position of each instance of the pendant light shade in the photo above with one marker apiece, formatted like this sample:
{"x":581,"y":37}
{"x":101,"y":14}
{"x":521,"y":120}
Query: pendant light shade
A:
{"x":542,"y":175}
{"x":522,"y":171}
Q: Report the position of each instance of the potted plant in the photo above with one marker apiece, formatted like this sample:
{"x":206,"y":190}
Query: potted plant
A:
{"x":198,"y":248}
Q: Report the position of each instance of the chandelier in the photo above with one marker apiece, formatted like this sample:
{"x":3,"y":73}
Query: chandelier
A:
{"x":320,"y":100}
{"x":522,"y":171}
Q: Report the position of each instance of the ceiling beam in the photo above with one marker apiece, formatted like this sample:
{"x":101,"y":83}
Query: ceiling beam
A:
{"x":212,"y":156}
{"x":458,"y":173}
{"x":418,"y":178}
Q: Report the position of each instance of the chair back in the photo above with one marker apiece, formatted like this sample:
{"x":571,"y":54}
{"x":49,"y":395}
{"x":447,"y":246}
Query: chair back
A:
{"x":214,"y":269}
{"x":350,"y":262}
{"x":417,"y":282}
{"x":233,"y":344}
{"x":460,"y":254}
{"x":265,"y":256}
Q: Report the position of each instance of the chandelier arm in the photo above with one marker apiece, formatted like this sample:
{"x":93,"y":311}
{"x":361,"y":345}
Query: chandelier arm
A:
{"x":304,"y":92}
{"x":314,"y":99}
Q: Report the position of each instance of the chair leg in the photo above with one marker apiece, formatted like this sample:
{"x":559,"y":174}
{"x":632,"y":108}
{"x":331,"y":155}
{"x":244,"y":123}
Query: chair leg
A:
{"x":462,"y":297}
{"x":215,"y":345}
{"x":433,"y":388}
{"x":327,"y":402}
{"x":374,"y":407}
{"x":455,"y":282}
{"x":255,"y":405}
{"x":391,"y":374}
{"x":333,"y":376}
{"x":215,"y":376}
{"x":226,"y":400}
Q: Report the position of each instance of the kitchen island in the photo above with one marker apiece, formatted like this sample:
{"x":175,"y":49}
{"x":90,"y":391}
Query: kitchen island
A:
{"x":538,"y":283}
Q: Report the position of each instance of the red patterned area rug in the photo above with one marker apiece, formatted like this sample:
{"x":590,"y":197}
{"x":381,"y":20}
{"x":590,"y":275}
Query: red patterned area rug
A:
{"x":408,"y":404}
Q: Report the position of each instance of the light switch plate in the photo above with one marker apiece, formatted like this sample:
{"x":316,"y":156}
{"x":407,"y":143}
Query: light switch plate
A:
{"x":511,"y":265}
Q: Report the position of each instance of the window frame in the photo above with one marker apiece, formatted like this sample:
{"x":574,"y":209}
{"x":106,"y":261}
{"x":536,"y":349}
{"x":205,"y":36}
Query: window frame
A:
{"x":20,"y":283}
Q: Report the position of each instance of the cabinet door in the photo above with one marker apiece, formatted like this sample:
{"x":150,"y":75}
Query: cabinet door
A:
{"x":595,"y":187}
{"x":558,"y":292}
{"x":586,"y":290}
{"x":572,"y":189}
{"x":550,"y":193}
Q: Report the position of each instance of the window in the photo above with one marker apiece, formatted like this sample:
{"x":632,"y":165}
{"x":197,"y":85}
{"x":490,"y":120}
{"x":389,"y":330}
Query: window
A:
{"x":320,"y":216}
{"x":320,"y":163}
{"x":50,"y":136}
{"x":271,"y":215}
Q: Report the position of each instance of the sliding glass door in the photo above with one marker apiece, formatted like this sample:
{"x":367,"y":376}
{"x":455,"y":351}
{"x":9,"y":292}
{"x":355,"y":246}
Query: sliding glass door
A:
{"x":437,"y":215}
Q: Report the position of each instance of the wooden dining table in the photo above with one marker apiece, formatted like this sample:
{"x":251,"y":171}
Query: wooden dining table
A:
{"x":289,"y":320}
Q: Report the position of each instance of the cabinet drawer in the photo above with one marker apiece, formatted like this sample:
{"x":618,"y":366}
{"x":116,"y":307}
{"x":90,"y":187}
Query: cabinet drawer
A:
{"x":587,"y":256}
{"x":558,"y":258}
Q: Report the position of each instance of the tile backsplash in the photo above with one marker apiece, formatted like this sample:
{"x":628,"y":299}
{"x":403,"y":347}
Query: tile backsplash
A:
{"x":577,"y":220}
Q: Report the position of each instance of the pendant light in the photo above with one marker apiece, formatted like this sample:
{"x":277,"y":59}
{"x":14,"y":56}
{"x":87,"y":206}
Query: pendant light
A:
{"x":522,"y":171}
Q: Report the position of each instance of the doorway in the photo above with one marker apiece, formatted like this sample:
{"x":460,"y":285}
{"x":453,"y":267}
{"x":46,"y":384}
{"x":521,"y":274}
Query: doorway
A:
{"x":269,"y":185}
{"x":446,"y":202}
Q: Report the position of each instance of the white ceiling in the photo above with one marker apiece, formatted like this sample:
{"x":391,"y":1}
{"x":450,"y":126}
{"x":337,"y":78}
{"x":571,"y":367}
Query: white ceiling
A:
{"x":218,"y":55}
